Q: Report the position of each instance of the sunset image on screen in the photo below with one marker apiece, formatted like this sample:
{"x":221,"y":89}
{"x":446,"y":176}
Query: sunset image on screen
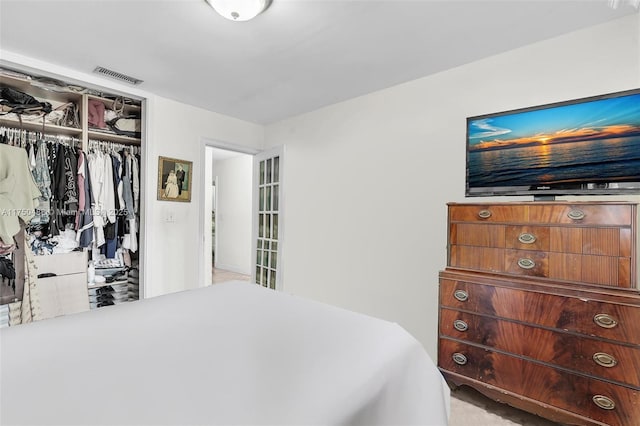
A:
{"x":587,"y":141}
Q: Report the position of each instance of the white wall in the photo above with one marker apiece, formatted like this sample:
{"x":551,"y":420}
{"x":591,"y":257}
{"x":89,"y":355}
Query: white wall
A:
{"x":233,"y":213}
{"x":175,"y":250}
{"x":368,"y":179}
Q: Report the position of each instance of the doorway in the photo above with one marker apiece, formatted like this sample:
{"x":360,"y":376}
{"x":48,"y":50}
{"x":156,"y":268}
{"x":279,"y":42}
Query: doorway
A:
{"x":227,"y":219}
{"x":241,"y":219}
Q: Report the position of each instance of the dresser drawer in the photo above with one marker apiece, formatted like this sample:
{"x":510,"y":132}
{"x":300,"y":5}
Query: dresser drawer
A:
{"x":579,"y":353}
{"x":600,"y":270}
{"x":487,"y":213}
{"x":580,"y":315}
{"x":581,"y":214}
{"x":602,"y":401}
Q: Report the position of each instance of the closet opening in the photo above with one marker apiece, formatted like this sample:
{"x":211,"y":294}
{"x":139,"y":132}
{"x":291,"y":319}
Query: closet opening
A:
{"x":77,"y":152}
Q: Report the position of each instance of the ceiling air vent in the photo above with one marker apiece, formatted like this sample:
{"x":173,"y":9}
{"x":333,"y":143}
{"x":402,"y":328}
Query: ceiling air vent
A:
{"x":117,"y":76}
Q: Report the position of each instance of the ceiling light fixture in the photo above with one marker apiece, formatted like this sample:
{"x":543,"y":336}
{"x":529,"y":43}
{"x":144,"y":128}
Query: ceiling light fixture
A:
{"x":239,"y":10}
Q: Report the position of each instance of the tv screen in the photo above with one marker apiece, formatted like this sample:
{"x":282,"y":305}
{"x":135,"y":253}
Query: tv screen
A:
{"x":578,"y":147}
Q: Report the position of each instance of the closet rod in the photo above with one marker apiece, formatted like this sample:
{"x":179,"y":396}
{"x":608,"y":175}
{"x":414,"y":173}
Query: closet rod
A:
{"x":20,"y":137}
{"x":110,"y":146}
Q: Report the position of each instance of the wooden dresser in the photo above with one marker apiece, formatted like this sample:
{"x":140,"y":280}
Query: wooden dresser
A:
{"x":540,"y":308}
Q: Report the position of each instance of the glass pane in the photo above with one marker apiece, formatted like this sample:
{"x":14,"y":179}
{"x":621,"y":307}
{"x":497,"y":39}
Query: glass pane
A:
{"x":267,"y":226}
{"x":272,"y":281}
{"x":265,"y":258}
{"x":267,"y":207}
{"x":275,"y":198}
{"x":262,"y":172}
{"x":276,"y":169}
{"x":275,"y":228}
{"x":263,"y":280}
{"x":268,"y":171}
{"x":274,"y":245}
{"x":261,"y":201}
{"x":259,"y":244}
{"x":274,"y":260}
{"x":258,"y":275}
{"x":259,"y":258}
{"x":261,"y":226}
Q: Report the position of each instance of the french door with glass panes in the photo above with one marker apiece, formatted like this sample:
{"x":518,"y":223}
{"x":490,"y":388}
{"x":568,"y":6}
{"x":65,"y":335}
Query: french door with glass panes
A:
{"x":268,"y":196}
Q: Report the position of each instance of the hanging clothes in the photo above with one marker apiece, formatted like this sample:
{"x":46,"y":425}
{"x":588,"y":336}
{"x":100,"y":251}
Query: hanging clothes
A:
{"x":42,"y":179}
{"x":96,"y":174}
{"x":84,"y":217}
{"x":19,"y":195}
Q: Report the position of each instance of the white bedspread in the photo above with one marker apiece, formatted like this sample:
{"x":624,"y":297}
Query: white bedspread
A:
{"x":232,"y":354}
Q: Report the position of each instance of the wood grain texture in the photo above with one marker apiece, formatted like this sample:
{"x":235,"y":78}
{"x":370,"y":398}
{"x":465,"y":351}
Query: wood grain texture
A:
{"x":594,"y":213}
{"x":499,"y":213}
{"x":571,"y":313}
{"x":557,"y":347}
{"x":543,"y":383}
{"x":540,"y":308}
{"x":478,"y":234}
{"x":479,"y":258}
{"x":522,"y":402}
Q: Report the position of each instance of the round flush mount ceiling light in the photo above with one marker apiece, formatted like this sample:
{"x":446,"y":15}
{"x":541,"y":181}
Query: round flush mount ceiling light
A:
{"x":239,"y":10}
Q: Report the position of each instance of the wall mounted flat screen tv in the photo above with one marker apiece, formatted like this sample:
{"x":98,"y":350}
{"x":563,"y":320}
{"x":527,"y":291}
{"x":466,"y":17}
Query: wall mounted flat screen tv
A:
{"x":579,"y":147}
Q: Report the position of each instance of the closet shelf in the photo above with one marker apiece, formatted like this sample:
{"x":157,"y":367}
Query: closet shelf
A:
{"x":110,"y":103}
{"x":106,"y":284}
{"x":36,"y":126}
{"x":112,"y":137}
{"x":40,"y":91}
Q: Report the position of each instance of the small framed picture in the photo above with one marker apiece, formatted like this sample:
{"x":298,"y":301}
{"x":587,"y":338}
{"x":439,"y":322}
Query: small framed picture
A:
{"x":174,"y":179}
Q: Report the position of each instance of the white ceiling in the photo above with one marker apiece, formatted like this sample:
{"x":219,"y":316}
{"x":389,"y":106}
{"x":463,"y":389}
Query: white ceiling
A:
{"x":298,"y":56}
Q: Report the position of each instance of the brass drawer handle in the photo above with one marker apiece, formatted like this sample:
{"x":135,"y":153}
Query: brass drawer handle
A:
{"x":604,"y":359}
{"x":604,"y":402}
{"x":484,"y":214}
{"x":527,"y":238}
{"x":576,"y":214}
{"x":605,"y":320}
{"x":461,"y":295}
{"x":459,"y":358}
{"x":526,"y":263}
{"x":461,"y":325}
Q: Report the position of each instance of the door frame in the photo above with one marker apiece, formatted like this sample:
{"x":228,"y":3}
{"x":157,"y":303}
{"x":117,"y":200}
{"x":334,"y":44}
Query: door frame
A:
{"x":266,"y":153}
{"x":212,"y":143}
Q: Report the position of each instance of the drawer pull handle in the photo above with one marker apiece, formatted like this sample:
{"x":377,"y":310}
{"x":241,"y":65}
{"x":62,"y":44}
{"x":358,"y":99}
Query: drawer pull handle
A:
{"x":604,"y":402}
{"x":604,"y":359}
{"x":605,"y":320}
{"x":462,"y":326}
{"x":459,"y":358}
{"x":527,"y":238}
{"x":461,"y":295}
{"x":576,"y":214}
{"x":526,"y":263}
{"x":484,"y":214}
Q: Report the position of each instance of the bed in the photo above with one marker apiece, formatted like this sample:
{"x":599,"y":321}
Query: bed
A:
{"x":233,"y":354}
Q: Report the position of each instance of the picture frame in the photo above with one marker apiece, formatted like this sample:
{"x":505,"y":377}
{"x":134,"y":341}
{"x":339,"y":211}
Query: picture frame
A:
{"x":174,"y":179}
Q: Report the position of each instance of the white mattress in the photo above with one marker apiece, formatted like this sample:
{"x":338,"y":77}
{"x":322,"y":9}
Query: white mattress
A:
{"x":233,"y":353}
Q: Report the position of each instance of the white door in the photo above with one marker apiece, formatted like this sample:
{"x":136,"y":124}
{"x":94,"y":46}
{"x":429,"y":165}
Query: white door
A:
{"x":267,"y":182}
